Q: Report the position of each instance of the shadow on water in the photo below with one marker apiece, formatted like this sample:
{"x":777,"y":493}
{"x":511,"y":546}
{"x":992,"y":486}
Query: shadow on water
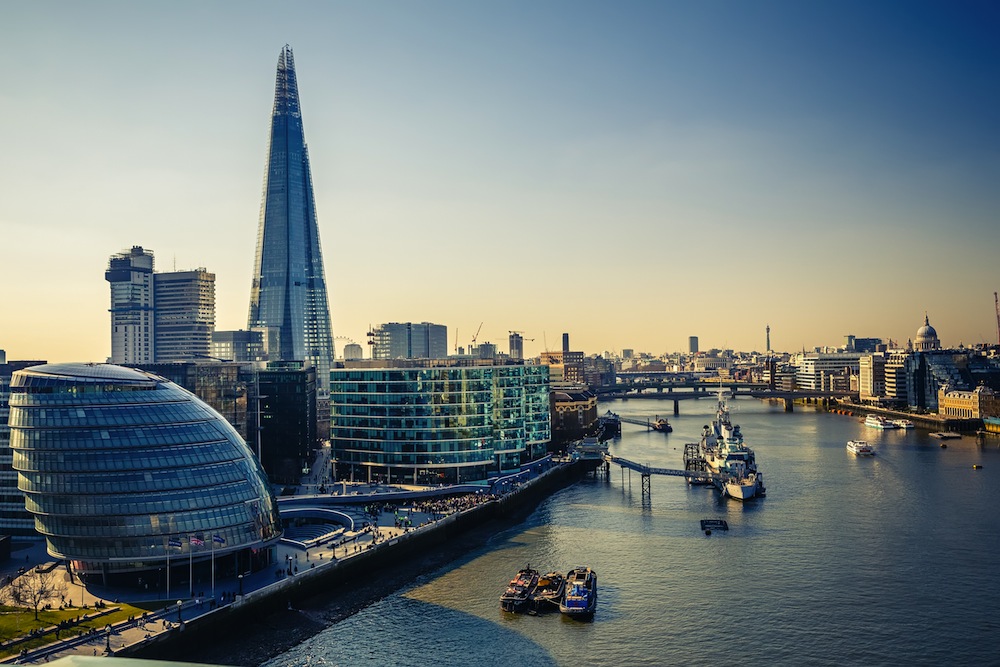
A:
{"x":403,"y":631}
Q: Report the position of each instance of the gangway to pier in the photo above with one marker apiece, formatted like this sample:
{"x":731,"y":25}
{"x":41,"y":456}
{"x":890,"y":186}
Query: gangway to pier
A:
{"x":648,"y":423}
{"x":695,"y":473}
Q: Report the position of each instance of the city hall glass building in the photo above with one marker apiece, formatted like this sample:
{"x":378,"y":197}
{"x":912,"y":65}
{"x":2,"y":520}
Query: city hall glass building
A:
{"x":288,"y":289}
{"x":437,"y":420}
{"x":124,"y":470}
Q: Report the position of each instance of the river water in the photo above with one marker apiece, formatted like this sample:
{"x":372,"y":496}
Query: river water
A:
{"x":890,"y":560}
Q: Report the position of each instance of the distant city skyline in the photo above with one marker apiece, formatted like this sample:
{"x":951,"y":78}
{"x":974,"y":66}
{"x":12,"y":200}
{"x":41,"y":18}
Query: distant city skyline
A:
{"x":631,"y":174}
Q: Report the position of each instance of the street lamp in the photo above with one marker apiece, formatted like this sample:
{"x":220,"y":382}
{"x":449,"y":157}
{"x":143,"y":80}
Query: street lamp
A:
{"x":240,"y":578}
{"x":107,"y":645}
{"x":179,"y":605}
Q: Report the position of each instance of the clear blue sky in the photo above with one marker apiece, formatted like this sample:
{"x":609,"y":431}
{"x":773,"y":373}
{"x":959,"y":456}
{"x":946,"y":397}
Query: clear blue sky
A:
{"x":632,"y":173}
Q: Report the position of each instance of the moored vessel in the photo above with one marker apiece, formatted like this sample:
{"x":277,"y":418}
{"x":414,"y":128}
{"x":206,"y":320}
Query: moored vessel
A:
{"x":903,"y":423}
{"x":548,"y":593}
{"x":876,"y":421}
{"x":515,"y":598}
{"x":580,"y":596}
{"x":732,"y":464}
{"x":860,"y":448}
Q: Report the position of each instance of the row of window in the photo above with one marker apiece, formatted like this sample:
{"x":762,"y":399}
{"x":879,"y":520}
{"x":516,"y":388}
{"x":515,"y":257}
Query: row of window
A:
{"x":137,"y":459}
{"x":152,"y":546}
{"x":349,"y":456}
{"x":173,"y":501}
{"x":132,"y":482}
{"x":110,"y":416}
{"x":119,"y":438}
{"x":118,"y":526}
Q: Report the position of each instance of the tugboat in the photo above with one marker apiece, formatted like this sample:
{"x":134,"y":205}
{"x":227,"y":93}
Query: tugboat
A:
{"x":548,"y":593}
{"x":580,"y":598}
{"x":515,"y":598}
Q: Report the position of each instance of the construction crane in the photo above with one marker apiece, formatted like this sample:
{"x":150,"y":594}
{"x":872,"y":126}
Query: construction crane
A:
{"x":520,"y":333}
{"x":476,"y":334}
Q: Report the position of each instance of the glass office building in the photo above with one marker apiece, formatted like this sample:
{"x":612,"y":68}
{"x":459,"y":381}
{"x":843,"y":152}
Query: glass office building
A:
{"x":436,"y":420}
{"x":288,"y":290}
{"x":124,"y":470}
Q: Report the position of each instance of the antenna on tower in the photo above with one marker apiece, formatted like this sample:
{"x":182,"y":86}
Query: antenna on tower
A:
{"x":996,"y":302}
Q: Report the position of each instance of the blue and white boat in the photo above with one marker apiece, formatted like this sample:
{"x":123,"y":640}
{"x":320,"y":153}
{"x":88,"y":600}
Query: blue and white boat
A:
{"x":580,"y":597}
{"x":875,"y":421}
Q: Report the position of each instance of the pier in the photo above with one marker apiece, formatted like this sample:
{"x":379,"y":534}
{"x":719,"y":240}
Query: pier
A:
{"x":695,"y":470}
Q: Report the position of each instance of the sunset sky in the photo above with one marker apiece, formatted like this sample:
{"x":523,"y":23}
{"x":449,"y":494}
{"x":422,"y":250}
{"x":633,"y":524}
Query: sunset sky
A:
{"x":632,"y":173}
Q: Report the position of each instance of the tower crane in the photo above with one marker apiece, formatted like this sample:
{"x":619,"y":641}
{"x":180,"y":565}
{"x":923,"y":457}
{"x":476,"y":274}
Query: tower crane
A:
{"x":521,"y":333}
{"x":476,"y":335}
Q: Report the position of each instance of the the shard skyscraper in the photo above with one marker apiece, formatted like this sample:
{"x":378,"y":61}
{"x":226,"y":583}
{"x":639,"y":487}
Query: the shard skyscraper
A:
{"x":288,"y":291}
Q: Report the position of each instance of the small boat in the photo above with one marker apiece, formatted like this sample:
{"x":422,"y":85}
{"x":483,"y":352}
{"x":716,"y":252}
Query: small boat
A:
{"x":860,"y":448}
{"x":548,"y":593}
{"x":515,"y":598}
{"x":946,"y":435}
{"x":661,"y":425}
{"x":580,"y":597}
{"x":903,"y":423}
{"x":976,"y":466}
{"x":875,"y":421}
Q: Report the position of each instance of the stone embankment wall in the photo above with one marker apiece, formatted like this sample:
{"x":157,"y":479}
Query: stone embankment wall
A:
{"x":332,"y":576}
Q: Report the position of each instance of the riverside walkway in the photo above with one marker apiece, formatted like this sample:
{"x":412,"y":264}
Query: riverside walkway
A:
{"x":170,"y":610}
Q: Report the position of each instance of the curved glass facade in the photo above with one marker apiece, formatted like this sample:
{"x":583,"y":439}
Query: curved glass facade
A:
{"x":123,"y":469}
{"x":432,"y":424}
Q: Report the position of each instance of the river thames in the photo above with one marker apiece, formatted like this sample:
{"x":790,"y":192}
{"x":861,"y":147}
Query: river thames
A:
{"x":890,"y":560}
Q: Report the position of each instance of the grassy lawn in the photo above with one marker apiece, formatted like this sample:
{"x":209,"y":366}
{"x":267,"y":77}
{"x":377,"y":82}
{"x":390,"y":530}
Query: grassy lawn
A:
{"x":19,"y":621}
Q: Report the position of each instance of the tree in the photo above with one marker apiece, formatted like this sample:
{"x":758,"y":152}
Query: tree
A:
{"x":34,"y":588}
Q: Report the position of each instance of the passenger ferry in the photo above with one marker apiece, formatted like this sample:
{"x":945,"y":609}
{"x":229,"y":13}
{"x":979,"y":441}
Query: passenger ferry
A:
{"x":875,"y":421}
{"x":860,"y":448}
{"x":902,"y":423}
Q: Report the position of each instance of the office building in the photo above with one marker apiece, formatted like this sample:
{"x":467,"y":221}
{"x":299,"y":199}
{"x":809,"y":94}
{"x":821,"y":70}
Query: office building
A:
{"x":692,"y":344}
{"x":437,"y":420}
{"x":242,"y":346}
{"x":183,"y":315}
{"x":130,"y":273}
{"x":288,"y":289}
{"x":14,"y":518}
{"x":409,"y":340}
{"x":516,"y":345}
{"x":353,"y":352}
{"x":158,"y":317}
{"x":283,"y":402}
{"x":127,"y":473}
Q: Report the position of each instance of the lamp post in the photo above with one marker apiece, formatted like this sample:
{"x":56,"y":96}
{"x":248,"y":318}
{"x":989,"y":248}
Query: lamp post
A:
{"x":180,"y":604}
{"x":107,"y":644}
{"x":240,"y":578}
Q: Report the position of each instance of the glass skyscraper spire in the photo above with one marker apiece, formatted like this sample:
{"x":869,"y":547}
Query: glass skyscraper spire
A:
{"x":288,"y":291}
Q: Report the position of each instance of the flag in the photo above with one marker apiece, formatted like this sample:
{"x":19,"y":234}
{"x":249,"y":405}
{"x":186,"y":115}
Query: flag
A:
{"x":174,"y":543}
{"x":196,"y":541}
{"x":218,"y":539}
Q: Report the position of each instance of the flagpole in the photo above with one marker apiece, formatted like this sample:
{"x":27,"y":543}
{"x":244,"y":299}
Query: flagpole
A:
{"x":168,"y":568}
{"x":213,"y":567}
{"x":190,"y":569}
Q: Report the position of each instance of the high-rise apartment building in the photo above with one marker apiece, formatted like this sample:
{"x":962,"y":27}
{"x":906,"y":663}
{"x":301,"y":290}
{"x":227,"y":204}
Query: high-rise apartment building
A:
{"x":158,"y":317}
{"x":288,"y":288}
{"x":183,"y":315}
{"x":130,"y":273}
{"x":409,"y":340}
